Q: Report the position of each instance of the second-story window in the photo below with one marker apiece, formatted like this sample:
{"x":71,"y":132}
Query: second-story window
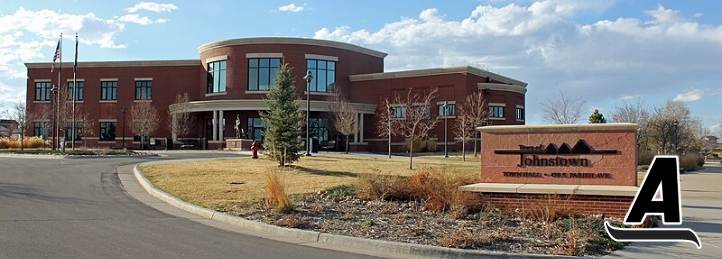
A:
{"x":42,"y":91}
{"x":143,"y":90}
{"x":520,"y":113}
{"x":496,"y":111}
{"x":262,"y":72}
{"x":324,"y":75}
{"x":216,"y":77}
{"x":108,"y":90}
{"x":398,"y":112}
{"x":78,"y":91}
{"x":450,"y":110}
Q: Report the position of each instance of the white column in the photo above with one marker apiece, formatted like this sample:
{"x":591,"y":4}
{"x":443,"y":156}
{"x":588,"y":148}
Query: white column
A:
{"x":221,"y":125}
{"x":215,"y":126}
{"x":361,"y":127}
{"x":356,"y":136}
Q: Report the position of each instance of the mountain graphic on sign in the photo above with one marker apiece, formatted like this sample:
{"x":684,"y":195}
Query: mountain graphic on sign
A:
{"x":581,"y":148}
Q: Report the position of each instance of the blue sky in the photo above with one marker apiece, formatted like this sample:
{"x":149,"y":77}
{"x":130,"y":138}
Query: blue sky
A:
{"x":606,"y":52}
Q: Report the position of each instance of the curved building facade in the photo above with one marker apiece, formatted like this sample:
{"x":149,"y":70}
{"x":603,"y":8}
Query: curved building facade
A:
{"x":227,"y":85}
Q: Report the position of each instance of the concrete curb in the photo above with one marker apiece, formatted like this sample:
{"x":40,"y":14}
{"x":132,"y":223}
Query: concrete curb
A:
{"x":330,"y":240}
{"x":33,"y":156}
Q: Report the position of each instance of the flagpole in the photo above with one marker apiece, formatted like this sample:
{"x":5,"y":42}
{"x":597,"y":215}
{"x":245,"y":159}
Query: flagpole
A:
{"x":57,"y":96}
{"x":75,"y":82}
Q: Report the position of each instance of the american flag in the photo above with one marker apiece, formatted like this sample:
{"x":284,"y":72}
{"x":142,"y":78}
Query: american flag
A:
{"x":56,"y":56}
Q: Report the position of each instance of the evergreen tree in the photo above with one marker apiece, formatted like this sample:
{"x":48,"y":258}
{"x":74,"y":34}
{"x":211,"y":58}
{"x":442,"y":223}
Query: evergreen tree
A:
{"x":597,"y":117}
{"x":282,"y":121}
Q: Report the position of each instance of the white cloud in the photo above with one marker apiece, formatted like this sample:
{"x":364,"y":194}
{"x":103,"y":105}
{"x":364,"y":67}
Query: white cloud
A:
{"x":153,"y":7}
{"x":135,"y":18}
{"x":691,"y":96}
{"x":543,"y":45}
{"x":291,"y":8}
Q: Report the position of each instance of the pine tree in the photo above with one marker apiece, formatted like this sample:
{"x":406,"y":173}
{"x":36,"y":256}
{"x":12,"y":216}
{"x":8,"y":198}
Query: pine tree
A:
{"x":597,"y":117}
{"x":282,"y":121}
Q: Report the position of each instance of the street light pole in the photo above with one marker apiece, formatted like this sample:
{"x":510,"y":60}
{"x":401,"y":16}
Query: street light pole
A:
{"x":391,"y":114}
{"x":54,"y":91}
{"x":123,"y":110}
{"x":446,"y":116}
{"x":308,"y":78}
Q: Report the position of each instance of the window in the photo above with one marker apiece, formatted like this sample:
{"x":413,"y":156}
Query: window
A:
{"x":143,"y":90}
{"x":216,"y":77}
{"x":398,"y":112}
{"x":520,"y":113}
{"x":450,"y":110}
{"x":42,"y":91}
{"x":40,"y":129}
{"x":319,"y":130}
{"x":108,"y":90}
{"x":146,"y":138}
{"x":324,"y":75}
{"x":262,"y":72}
{"x":255,"y":129}
{"x":107,"y":131}
{"x":69,"y":134}
{"x":422,"y":110}
{"x":496,"y":111}
{"x":78,"y":91}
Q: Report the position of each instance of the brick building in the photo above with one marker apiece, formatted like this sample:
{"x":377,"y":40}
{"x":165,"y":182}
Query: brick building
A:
{"x":231,"y":79}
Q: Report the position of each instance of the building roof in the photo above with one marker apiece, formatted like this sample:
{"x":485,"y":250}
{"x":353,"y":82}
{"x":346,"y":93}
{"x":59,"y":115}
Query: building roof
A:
{"x":295,"y":41}
{"x":137,"y":63}
{"x":437,"y":71}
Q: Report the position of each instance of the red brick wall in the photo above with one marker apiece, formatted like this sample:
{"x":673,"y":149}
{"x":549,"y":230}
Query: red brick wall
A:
{"x":611,"y":206}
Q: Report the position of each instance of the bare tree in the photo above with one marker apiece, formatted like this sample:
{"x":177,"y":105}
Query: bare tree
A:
{"x":476,"y":111}
{"x":637,"y":113}
{"x":20,"y":114}
{"x":418,"y":119}
{"x":182,"y":121}
{"x":464,"y":129}
{"x":87,"y":126}
{"x":385,"y":122}
{"x":344,"y":117}
{"x":563,"y":110}
{"x":144,"y":119}
{"x":673,"y":129}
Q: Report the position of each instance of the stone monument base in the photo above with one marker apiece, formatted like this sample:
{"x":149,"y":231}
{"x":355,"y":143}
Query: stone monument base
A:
{"x":612,"y":201}
{"x":238,"y":144}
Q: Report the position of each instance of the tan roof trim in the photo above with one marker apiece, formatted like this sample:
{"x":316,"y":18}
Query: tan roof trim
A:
{"x":260,"y":104}
{"x":295,"y":41}
{"x":502,"y":87}
{"x":139,"y":63}
{"x":437,"y":71}
{"x":559,"y":128}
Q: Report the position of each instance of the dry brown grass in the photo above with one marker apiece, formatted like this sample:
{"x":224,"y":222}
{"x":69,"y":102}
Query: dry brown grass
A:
{"x":214,"y":184}
{"x":276,"y":195}
{"x":438,"y":189}
{"x":28,"y":142}
{"x":549,"y":209}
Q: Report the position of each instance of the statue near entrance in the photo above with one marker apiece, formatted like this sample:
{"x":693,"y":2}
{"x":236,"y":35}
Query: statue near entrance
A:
{"x":237,"y":127}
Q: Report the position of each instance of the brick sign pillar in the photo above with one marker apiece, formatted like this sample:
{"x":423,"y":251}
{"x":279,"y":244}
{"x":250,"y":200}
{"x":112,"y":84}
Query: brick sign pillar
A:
{"x":592,"y":167}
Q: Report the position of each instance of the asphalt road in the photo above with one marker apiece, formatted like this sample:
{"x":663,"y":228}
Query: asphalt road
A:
{"x":76,"y":208}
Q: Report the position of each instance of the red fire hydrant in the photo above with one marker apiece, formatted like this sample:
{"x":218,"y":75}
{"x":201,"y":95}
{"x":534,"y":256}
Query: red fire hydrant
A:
{"x":254,"y":148}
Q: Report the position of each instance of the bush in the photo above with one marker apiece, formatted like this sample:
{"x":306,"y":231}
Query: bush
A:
{"x":438,"y":190}
{"x":419,"y":145}
{"x":691,"y":161}
{"x":645,"y":157}
{"x":432,"y":145}
{"x":276,"y":195}
{"x":28,"y":142}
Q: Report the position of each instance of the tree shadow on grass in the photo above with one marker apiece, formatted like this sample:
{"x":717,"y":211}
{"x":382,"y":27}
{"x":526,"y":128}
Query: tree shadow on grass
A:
{"x":324,"y":172}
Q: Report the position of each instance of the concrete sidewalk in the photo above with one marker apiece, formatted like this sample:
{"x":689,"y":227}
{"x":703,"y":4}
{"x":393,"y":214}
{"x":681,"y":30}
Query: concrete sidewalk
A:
{"x":701,"y":211}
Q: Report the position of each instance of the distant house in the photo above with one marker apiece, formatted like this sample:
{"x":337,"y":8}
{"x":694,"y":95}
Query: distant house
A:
{"x":7,"y":127}
{"x":710,"y":143}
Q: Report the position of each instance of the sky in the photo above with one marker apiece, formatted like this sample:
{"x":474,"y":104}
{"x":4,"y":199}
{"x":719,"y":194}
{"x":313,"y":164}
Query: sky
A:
{"x":606,"y":52}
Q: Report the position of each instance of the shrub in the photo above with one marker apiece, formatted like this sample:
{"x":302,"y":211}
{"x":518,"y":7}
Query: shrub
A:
{"x":418,"y":145}
{"x":4,"y":143}
{"x":549,"y":209}
{"x":645,"y":157}
{"x":438,"y":190}
{"x":276,"y":195}
{"x":432,"y":145}
{"x":691,"y":160}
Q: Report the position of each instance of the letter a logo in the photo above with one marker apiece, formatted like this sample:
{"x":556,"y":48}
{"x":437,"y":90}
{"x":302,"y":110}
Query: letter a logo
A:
{"x":663,"y":174}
